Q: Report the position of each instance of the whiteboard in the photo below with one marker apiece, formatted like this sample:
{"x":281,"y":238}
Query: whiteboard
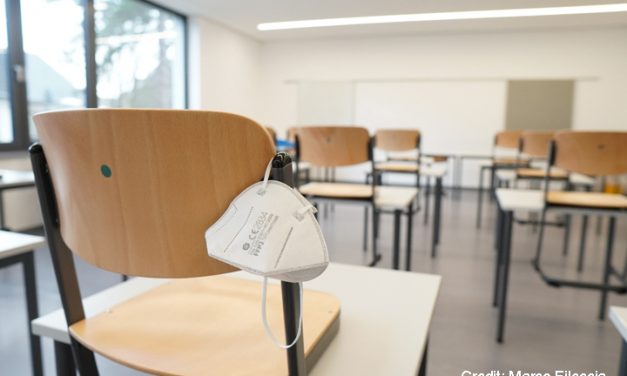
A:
{"x":453,"y":116}
{"x":325,"y":102}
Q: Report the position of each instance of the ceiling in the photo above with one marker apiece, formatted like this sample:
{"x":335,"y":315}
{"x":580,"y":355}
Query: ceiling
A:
{"x":244,"y":15}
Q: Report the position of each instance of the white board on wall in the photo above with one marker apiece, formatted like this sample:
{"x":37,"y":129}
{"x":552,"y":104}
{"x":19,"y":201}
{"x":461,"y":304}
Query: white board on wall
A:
{"x":454,"y":116}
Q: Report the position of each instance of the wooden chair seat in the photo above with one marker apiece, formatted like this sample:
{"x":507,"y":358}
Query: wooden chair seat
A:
{"x":509,"y":161}
{"x":200,"y":326}
{"x":397,"y":167}
{"x":587,"y":200}
{"x":337,"y":190}
{"x":539,"y":173}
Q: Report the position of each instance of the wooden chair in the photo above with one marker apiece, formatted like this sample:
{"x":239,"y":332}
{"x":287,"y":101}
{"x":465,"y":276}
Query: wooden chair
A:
{"x":503,"y":141}
{"x":338,"y":146}
{"x":132,"y":192}
{"x":594,"y":154}
{"x":272,"y":134}
{"x":398,"y":140}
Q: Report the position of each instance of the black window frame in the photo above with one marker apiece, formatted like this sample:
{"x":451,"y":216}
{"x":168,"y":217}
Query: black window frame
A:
{"x":16,"y":61}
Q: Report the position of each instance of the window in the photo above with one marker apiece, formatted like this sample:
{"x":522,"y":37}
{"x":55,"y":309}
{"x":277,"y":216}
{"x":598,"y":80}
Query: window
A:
{"x":139,"y":54}
{"x":56,"y":55}
{"x":6,"y":122}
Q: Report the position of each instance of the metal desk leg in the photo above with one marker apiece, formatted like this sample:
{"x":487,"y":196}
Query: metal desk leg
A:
{"x":492,"y":192}
{"x":480,"y":197}
{"x":499,"y":257}
{"x":33,"y":310}
{"x":63,"y":359}
{"x":410,"y":215}
{"x":397,"y":240}
{"x":437,"y":213}
{"x":622,"y":369}
{"x":2,"y":210}
{"x":608,"y":267}
{"x":582,"y":243}
{"x":504,"y":277}
{"x":423,"y":364}
{"x":427,"y":199}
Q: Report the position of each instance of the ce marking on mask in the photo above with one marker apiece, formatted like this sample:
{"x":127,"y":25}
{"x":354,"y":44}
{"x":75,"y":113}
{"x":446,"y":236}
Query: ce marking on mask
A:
{"x":259,"y":232}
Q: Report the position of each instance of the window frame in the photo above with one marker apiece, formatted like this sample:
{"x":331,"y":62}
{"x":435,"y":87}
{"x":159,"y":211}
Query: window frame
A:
{"x":16,"y":58}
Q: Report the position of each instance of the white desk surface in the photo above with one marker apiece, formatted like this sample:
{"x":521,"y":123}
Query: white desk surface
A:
{"x":618,"y":315}
{"x":505,"y":175}
{"x":523,"y":200}
{"x":437,"y":170}
{"x":13,"y":243}
{"x":394,"y":197}
{"x":384,"y":320}
{"x":14,"y":178}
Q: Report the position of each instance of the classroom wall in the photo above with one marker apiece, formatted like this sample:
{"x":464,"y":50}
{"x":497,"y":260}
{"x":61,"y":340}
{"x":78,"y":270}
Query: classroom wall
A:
{"x":402,"y":65}
{"x":224,"y":72}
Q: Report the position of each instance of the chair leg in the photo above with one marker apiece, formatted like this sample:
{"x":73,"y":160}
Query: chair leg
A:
{"x":291,"y":312}
{"x":33,"y":311}
{"x":536,"y":259}
{"x":410,"y":215}
{"x":63,"y":359}
{"x":566,"y":234}
{"x":608,"y":267}
{"x":480,"y":197}
{"x":375,"y":231}
{"x":582,"y":243}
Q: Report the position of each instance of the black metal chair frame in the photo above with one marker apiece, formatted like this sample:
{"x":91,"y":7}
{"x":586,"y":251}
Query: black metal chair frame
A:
{"x":376,"y":256}
{"x":609,"y":271}
{"x":81,"y":357}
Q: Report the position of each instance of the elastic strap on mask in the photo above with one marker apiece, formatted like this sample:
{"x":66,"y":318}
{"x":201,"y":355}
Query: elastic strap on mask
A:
{"x":300,"y":213}
{"x":265,"y":318}
{"x":266,"y":177}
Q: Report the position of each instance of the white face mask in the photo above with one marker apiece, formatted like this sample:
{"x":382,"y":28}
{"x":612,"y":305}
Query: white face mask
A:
{"x":270,"y":230}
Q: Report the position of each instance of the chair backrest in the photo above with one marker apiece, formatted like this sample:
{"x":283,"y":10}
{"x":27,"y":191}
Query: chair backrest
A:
{"x":397,"y":139}
{"x":333,"y":146}
{"x":272,"y":134}
{"x":507,"y":139}
{"x":137,"y":189}
{"x":591,"y":153}
{"x":536,"y":144}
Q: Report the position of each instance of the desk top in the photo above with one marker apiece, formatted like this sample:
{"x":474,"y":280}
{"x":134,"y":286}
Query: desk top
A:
{"x":395,"y":197}
{"x":618,"y":315}
{"x":384,"y":320}
{"x":524,"y":200}
{"x":437,"y":171}
{"x":13,"y":243}
{"x":15,"y":179}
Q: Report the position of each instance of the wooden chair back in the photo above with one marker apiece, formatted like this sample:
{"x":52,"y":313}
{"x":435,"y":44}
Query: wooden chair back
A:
{"x":137,"y":189}
{"x":536,"y":144}
{"x":397,"y":139}
{"x":507,"y":139}
{"x":591,"y":153}
{"x":272,"y":134}
{"x":333,"y":146}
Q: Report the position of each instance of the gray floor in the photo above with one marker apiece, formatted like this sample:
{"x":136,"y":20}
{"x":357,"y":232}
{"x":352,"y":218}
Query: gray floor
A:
{"x":547,"y":328}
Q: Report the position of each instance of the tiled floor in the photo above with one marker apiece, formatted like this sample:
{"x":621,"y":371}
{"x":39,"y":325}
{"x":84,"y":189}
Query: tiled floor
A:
{"x":547,"y":328}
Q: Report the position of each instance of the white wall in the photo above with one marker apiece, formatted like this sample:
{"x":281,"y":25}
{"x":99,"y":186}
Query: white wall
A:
{"x":224,"y":69}
{"x":486,"y":60}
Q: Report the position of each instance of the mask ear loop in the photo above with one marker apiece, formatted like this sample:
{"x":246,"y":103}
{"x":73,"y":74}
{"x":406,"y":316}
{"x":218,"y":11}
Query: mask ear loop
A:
{"x":266,"y":177}
{"x":265,"y":318}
